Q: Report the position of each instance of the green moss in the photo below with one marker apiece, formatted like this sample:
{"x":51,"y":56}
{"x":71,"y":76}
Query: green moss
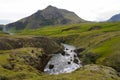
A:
{"x":108,"y":47}
{"x":88,"y":72}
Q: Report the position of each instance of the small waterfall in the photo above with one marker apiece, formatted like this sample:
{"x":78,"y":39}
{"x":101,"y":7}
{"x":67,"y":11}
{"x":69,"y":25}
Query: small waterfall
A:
{"x":5,"y":30}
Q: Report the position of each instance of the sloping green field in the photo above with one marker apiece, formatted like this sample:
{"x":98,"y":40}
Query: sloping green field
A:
{"x":101,"y":40}
{"x":101,"y":43}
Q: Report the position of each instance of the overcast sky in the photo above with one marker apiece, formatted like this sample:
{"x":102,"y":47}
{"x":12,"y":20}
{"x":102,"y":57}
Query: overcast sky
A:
{"x":93,"y":10}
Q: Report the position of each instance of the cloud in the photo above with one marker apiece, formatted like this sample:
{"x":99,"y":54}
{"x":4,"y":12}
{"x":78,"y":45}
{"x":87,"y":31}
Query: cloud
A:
{"x":5,"y":21}
{"x":86,"y":9}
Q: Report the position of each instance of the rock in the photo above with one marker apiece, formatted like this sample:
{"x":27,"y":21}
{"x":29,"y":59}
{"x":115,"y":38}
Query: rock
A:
{"x":71,"y":28}
{"x":38,"y":50}
{"x":51,"y":66}
{"x":79,"y":50}
{"x":94,"y":28}
{"x":48,"y":45}
{"x":100,"y":68}
{"x":76,"y":61}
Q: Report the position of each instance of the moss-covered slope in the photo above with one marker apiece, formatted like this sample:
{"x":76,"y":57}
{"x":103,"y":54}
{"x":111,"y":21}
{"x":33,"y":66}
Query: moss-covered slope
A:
{"x":24,"y":56}
{"x":100,"y":40}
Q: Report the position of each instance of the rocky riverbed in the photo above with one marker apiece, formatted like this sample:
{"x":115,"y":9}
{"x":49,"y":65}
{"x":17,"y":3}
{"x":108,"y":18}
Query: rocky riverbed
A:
{"x":65,"y":62}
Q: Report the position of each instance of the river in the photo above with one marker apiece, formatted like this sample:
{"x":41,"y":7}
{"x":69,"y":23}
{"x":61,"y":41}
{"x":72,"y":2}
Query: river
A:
{"x":65,"y":62}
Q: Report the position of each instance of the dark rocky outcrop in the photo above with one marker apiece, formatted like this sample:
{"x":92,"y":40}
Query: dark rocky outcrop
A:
{"x":38,"y":51}
{"x":94,"y":28}
{"x":47,"y":44}
{"x":79,"y":50}
{"x":71,"y":28}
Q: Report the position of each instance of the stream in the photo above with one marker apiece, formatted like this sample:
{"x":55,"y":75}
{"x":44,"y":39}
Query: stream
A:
{"x":65,"y":62}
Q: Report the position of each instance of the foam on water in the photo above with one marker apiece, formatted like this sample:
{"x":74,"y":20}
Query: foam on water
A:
{"x":63,"y":62}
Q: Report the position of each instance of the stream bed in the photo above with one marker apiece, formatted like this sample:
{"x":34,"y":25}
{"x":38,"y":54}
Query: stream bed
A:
{"x":65,"y":62}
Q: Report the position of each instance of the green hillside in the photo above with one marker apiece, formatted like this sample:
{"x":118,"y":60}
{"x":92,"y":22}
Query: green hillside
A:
{"x":101,"y":55}
{"x":14,"y":66}
{"x":101,"y":40}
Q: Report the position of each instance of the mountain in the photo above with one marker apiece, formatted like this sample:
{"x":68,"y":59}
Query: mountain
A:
{"x":115,"y":18}
{"x":48,"y":16}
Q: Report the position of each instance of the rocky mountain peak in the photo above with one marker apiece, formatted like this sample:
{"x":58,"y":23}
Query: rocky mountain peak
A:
{"x":50,"y":7}
{"x":46,"y":17}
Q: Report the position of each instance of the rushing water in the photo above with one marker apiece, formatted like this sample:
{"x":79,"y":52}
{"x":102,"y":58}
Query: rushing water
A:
{"x":5,"y":30}
{"x":63,"y":62}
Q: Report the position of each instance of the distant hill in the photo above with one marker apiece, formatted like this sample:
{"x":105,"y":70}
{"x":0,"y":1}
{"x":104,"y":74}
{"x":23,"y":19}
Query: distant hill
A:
{"x":115,"y":18}
{"x":48,"y":16}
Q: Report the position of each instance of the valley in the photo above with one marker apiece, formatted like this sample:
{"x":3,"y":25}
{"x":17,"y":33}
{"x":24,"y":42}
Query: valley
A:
{"x":97,"y":44}
{"x":56,"y":44}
